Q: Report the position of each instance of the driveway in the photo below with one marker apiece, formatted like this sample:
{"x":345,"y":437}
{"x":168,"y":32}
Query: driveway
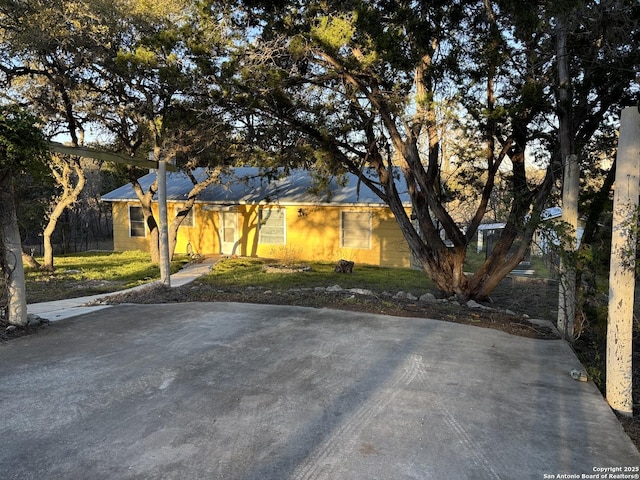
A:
{"x":236,"y":391}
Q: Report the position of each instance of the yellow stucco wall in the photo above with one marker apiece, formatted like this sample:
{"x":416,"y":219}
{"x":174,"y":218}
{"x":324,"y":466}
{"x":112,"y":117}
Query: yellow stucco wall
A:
{"x":315,"y":235}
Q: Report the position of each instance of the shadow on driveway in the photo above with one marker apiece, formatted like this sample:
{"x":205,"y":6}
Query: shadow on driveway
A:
{"x":222,"y":390}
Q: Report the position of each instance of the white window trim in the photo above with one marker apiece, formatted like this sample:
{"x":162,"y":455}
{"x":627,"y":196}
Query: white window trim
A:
{"x":261,"y":223}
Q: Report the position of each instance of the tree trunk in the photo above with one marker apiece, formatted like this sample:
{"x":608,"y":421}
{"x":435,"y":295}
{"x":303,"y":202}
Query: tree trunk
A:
{"x":11,"y":255}
{"x":597,"y":207}
{"x":146,"y":201}
{"x":198,"y":187}
{"x":70,"y":193}
{"x":27,"y":259}
{"x":570,"y":184}
{"x":446,"y":269}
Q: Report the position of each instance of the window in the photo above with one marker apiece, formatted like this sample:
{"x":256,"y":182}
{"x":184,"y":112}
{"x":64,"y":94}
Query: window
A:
{"x":189,"y":220}
{"x":272,"y":226}
{"x":356,"y":230}
{"x":136,"y":222}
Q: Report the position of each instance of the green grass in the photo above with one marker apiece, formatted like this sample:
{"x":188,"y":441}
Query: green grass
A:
{"x":244,"y":272}
{"x":91,"y":273}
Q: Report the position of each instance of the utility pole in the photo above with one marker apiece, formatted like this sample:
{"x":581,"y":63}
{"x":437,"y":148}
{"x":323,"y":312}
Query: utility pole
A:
{"x":622,"y":266}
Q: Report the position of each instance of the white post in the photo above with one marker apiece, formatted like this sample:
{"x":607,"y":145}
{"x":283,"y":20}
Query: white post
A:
{"x":165,"y":264}
{"x":622,"y":267}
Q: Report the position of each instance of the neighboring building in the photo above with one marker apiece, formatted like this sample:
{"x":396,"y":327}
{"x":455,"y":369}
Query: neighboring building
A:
{"x":247,"y":214}
{"x":488,"y":234}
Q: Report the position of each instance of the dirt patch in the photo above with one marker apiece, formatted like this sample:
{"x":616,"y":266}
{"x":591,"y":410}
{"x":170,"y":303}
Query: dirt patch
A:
{"x":493,"y":316}
{"x":9,"y":332}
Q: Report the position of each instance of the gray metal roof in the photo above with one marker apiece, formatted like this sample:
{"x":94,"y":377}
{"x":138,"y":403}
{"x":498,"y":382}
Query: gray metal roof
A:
{"x":249,"y":185}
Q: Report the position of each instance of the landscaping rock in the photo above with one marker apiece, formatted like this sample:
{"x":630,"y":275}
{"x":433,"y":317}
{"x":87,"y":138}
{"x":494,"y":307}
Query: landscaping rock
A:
{"x":428,"y":298}
{"x":35,"y":320}
{"x":361,"y":291}
{"x":334,"y":288}
{"x":275,"y":268}
{"x":474,"y":304}
{"x":405,"y":296}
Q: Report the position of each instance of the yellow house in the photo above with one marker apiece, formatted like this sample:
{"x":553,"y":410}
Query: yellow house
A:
{"x":250,"y":214}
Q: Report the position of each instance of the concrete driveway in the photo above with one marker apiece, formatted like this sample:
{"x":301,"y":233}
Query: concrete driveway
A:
{"x":234,"y":391}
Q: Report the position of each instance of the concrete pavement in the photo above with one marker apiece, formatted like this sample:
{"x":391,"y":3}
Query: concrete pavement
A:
{"x":72,"y":307}
{"x":235,"y":391}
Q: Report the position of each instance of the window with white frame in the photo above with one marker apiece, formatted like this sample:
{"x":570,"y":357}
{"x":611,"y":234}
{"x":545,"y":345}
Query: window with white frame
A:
{"x":189,"y":219}
{"x":273,"y":226}
{"x":136,"y":222}
{"x":355,"y":230}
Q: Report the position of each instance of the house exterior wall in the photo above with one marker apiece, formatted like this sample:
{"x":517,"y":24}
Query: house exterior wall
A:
{"x":312,"y":233}
{"x":122,"y":240}
{"x":203,"y":237}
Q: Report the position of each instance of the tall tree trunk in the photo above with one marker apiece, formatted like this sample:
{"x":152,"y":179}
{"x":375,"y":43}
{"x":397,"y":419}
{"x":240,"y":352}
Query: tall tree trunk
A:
{"x":146,"y":201}
{"x":64,"y":170}
{"x":570,"y":184}
{"x":11,"y":255}
{"x":597,"y":207}
{"x":198,"y":187}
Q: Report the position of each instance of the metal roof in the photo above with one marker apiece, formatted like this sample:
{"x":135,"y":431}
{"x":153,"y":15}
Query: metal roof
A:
{"x":251,"y":185}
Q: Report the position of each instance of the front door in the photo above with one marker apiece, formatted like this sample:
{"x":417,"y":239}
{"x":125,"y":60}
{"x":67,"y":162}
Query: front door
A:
{"x":228,"y":232}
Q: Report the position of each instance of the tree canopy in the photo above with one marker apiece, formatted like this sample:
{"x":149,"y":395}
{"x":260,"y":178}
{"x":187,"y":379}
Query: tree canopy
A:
{"x":367,"y":84}
{"x":461,"y":99}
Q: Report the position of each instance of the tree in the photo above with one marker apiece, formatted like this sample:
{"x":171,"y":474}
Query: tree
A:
{"x":46,"y":51}
{"x":597,"y":69}
{"x":71,"y":179}
{"x":365,"y":82}
{"x":21,"y":143}
{"x":390,"y":67}
{"x":150,"y":96}
{"x":117,"y":66}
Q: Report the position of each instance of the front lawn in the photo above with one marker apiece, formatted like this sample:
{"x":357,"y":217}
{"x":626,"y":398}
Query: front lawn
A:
{"x":243,"y":272}
{"x":92,"y":273}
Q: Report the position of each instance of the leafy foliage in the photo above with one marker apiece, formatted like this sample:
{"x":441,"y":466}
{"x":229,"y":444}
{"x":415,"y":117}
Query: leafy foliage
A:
{"x":21,"y":142}
{"x":456,"y":97}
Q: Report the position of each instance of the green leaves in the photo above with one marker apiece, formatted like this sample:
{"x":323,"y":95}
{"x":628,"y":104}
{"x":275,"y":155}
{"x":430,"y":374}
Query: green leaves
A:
{"x":334,"y":32}
{"x":21,"y":142}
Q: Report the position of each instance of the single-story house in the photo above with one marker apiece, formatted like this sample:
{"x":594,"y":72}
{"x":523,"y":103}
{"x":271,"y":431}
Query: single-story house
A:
{"x":248,"y":214}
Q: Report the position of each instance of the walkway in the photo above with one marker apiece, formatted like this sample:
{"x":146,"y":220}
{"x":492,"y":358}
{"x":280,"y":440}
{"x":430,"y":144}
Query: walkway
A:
{"x":72,"y":307}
